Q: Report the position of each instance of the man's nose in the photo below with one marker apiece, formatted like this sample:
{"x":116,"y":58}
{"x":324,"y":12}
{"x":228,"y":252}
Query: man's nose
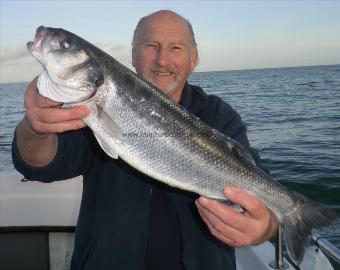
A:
{"x":162,"y":57}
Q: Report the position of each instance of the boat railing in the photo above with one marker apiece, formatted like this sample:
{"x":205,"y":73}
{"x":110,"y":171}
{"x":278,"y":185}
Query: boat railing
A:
{"x":328,"y":248}
{"x":320,"y":242}
{"x":279,"y":263}
{"x":5,"y":144}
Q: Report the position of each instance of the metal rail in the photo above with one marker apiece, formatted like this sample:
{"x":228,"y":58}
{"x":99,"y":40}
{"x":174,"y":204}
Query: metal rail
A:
{"x":279,"y":263}
{"x":323,"y":244}
{"x":328,"y":248}
{"x":5,"y":144}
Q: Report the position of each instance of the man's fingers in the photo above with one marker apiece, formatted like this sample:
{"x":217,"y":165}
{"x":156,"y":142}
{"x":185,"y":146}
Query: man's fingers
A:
{"x":46,"y":116}
{"x":226,"y":220}
{"x":31,"y":91}
{"x":215,"y":232}
{"x":61,"y":127}
{"x":254,"y":226}
{"x":39,"y":100}
{"x":224,"y":232}
{"x":253,"y":206}
{"x":33,"y":83}
{"x":226,"y":214}
{"x":34,"y":98}
{"x":57,"y":115}
{"x":44,"y":102}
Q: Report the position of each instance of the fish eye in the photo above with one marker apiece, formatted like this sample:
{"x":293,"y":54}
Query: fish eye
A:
{"x":65,"y":45}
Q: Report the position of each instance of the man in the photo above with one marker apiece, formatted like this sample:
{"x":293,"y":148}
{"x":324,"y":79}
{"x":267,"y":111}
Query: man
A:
{"x":126,"y":220}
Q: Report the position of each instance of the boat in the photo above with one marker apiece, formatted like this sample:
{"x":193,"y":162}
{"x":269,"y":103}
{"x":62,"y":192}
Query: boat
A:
{"x":37,"y":225}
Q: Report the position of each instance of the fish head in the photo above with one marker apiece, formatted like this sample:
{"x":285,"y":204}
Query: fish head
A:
{"x":67,"y":59}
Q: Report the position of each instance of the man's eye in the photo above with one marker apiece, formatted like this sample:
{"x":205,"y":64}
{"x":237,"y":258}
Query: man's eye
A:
{"x":65,"y":45}
{"x":151,"y":45}
{"x":176,"y":48}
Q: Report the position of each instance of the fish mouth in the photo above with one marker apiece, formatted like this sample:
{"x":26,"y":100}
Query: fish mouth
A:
{"x":39,"y":39}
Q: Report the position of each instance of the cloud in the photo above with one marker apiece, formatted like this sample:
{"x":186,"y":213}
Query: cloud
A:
{"x":19,"y":70}
{"x":122,"y":53}
{"x":12,"y":53}
{"x":117,"y":48}
{"x":16,"y":53}
{"x":16,"y":64}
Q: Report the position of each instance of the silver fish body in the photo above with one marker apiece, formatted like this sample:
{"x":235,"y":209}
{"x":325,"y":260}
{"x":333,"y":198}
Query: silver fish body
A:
{"x":135,"y":121}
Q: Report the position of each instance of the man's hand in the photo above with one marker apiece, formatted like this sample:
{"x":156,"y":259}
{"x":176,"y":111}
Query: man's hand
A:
{"x":36,"y":137}
{"x":256,"y":225}
{"x":47,"y":116}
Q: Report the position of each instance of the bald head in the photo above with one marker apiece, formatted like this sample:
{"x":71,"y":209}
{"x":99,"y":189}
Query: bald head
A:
{"x":164,"y":51}
{"x":161,"y":16}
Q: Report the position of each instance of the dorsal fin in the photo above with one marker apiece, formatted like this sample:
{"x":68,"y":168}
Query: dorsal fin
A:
{"x":237,"y":149}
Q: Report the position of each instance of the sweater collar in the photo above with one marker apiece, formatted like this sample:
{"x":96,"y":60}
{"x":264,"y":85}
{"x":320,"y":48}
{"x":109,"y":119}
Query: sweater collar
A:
{"x":193,"y":98}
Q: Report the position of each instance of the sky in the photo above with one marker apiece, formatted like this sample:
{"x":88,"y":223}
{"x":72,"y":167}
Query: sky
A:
{"x":230,"y":34}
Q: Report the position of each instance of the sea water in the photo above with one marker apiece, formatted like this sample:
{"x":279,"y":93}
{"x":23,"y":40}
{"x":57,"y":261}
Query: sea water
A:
{"x":292,"y":116}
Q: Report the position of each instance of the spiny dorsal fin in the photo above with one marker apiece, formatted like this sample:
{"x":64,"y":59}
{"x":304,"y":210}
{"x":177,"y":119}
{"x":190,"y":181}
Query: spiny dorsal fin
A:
{"x":235,"y":148}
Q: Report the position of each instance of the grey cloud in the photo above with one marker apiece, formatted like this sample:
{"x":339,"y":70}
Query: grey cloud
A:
{"x":120,"y":52}
{"x":109,"y":46}
{"x":116,"y":49}
{"x":12,"y":53}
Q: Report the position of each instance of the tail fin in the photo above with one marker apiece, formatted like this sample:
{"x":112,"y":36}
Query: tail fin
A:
{"x":299,"y":224}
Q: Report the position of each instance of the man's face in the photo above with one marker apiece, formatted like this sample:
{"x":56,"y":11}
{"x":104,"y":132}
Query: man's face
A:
{"x":164,"y":54}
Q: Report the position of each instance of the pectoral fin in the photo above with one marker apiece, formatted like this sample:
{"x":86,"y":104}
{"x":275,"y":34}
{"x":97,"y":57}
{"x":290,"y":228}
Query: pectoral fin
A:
{"x":108,"y":124}
{"x":111,"y":132}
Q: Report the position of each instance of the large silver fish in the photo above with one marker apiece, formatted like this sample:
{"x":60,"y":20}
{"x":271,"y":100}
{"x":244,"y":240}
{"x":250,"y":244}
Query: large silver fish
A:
{"x":135,"y":121}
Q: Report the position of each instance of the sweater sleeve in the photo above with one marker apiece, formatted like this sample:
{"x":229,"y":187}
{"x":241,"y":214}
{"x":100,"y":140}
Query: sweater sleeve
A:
{"x":73,"y":157}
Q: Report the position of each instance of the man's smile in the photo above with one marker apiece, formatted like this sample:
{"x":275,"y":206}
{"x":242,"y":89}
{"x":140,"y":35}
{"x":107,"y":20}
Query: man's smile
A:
{"x":159,"y":73}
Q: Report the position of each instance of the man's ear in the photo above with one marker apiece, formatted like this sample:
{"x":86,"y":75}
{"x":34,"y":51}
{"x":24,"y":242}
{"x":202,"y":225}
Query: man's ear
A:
{"x":194,"y":59}
{"x":133,"y":57}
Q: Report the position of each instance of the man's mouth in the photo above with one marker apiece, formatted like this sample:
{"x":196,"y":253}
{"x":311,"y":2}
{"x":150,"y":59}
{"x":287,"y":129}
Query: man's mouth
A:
{"x":162,"y":73}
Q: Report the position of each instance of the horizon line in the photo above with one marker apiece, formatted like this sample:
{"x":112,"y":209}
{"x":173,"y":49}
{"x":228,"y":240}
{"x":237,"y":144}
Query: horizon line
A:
{"x":225,"y":70}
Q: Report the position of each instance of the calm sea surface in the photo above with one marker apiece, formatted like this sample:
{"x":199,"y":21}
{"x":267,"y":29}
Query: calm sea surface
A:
{"x":292,"y":115}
